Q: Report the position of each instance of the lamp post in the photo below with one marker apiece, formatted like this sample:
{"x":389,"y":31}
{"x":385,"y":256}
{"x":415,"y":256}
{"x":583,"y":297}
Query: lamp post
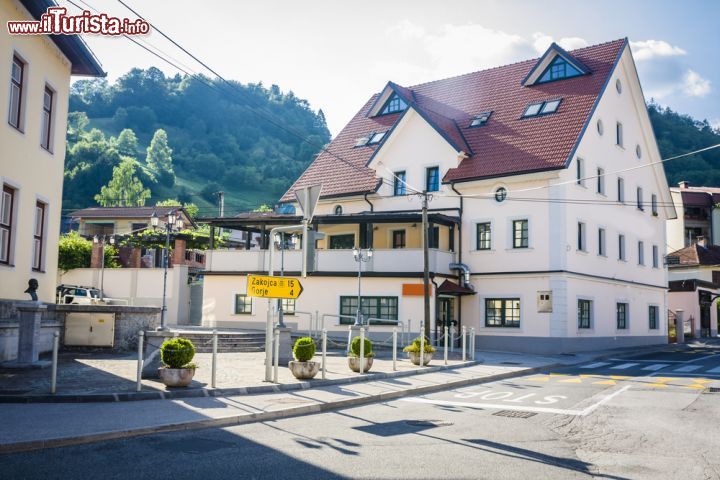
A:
{"x":360,"y":257}
{"x":102,"y":242}
{"x":174,"y":223}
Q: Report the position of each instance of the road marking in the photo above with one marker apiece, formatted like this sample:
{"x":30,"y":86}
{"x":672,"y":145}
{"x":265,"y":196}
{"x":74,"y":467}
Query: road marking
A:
{"x":688,"y":368}
{"x":605,"y":382}
{"x":656,"y":367}
{"x":539,"y":379}
{"x":714,"y":370}
{"x":571,"y":380}
{"x":504,"y":406}
{"x":657,"y":385}
{"x":596,"y":365}
{"x":624,"y":366}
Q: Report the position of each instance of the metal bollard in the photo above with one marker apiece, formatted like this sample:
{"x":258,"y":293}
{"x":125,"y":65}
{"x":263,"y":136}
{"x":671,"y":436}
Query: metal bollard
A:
{"x":324,"y":352}
{"x":214,"y":357}
{"x":362,"y":349}
{"x":394,"y":349}
{"x":53,"y":374}
{"x":141,"y":337}
{"x":445,"y":350}
{"x":472,"y":344}
{"x":452,"y":340}
{"x":464,"y":344}
{"x":349,"y":339}
{"x":277,"y":355}
{"x":422,"y":343}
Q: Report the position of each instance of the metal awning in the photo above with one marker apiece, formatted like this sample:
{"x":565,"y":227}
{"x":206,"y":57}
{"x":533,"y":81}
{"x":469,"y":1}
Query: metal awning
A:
{"x":453,"y":289}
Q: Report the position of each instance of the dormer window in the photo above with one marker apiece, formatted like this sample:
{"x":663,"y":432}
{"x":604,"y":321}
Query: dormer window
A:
{"x":542,"y":108}
{"x":376,"y":138}
{"x":480,"y":119}
{"x":393,"y":105}
{"x":557,"y":70}
{"x":362,"y":141}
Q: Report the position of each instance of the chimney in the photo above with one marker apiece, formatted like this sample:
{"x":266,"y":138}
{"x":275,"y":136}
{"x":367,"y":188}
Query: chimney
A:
{"x":701,"y":240}
{"x":684,"y":184}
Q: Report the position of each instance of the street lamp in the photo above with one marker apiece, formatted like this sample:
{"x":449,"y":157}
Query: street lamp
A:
{"x":360,"y":257}
{"x":102,"y":241}
{"x":174,"y":224}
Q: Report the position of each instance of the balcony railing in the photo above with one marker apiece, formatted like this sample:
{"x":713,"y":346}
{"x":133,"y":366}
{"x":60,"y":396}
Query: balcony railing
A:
{"x":384,"y":260}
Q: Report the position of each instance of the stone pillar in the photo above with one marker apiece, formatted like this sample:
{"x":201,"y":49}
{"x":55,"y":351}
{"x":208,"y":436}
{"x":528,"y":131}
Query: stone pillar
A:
{"x":134,"y":258}
{"x":178,"y":253}
{"x":30,"y":317}
{"x":96,"y":257}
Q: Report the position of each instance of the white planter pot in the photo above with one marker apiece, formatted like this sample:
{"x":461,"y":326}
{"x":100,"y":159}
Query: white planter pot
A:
{"x":176,"y":377}
{"x":304,"y":370}
{"x":354,"y":364}
{"x":415,"y":357}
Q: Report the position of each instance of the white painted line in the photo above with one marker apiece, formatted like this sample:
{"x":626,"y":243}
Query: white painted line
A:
{"x":688,"y":368}
{"x":559,"y":411}
{"x":647,"y":361}
{"x":656,"y":367}
{"x":596,"y":365}
{"x":714,"y":370}
{"x":624,"y":366}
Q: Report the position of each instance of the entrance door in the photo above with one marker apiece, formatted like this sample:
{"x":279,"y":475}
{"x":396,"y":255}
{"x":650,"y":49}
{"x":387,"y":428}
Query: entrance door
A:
{"x":705,"y":305}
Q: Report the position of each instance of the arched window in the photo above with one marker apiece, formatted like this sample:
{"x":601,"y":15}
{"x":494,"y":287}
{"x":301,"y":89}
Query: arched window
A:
{"x":338,"y":209}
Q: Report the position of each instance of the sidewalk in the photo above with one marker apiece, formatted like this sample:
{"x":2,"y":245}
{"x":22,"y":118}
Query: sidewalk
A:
{"x":37,"y":426}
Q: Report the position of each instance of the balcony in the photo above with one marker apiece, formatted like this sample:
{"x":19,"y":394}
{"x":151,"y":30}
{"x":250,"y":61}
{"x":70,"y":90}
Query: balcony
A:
{"x":403,"y":260}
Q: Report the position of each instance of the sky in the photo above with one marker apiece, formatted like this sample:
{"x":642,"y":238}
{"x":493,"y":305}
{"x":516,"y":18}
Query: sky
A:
{"x":336,"y":54}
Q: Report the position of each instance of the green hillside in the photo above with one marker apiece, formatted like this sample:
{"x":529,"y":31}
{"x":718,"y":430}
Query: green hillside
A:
{"x":218,"y":136}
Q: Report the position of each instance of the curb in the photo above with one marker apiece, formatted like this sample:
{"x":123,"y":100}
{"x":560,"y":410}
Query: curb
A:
{"x":221,"y":392}
{"x":267,"y":416}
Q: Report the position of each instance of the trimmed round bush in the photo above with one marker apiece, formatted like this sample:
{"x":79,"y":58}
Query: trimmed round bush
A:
{"x":304,"y":349}
{"x":414,"y":347}
{"x":177,"y":352}
{"x":355,"y":348}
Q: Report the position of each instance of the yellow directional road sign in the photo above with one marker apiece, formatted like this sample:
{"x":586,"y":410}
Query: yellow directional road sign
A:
{"x":273,"y":287}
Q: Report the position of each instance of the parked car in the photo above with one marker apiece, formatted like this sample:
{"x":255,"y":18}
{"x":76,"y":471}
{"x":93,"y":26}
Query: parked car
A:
{"x":78,"y":295}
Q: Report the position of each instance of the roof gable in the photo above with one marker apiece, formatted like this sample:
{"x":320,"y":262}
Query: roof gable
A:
{"x":554,"y":55}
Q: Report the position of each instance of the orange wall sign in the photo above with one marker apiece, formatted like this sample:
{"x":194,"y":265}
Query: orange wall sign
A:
{"x":413,"y":289}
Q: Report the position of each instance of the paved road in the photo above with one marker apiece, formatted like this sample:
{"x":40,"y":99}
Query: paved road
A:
{"x":649,"y":416}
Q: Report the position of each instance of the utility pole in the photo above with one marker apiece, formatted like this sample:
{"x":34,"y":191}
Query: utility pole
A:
{"x":221,"y":198}
{"x":426,"y":273}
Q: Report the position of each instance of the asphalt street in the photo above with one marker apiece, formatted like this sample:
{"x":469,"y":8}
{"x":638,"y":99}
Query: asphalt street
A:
{"x":649,"y":416}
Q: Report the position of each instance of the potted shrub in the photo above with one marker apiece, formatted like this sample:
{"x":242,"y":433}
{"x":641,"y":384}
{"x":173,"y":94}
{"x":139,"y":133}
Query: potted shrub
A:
{"x":413,"y":351}
{"x":304,"y":351}
{"x":354,"y":355}
{"x":176,"y":354}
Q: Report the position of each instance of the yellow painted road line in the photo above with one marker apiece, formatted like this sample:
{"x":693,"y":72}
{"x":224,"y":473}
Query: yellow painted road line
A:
{"x":571,"y":380}
{"x":605,"y":382}
{"x":539,"y":379}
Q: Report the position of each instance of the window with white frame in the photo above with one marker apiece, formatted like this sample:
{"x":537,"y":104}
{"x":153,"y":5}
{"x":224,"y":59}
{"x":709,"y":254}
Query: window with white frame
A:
{"x":640,"y":199}
{"x":502,"y":312}
{"x":601,"y":181}
{"x":17,"y":84}
{"x":619,"y":134}
{"x":621,"y":247}
{"x":621,"y":190}
{"x":622,"y":315}
{"x":581,"y":243}
{"x":602,"y":250}
{"x":653,"y":204}
{"x":39,"y":236}
{"x":243,"y":304}
{"x":641,"y":253}
{"x":7,"y":206}
{"x":520,"y":234}
{"x":584,"y":313}
{"x":288,"y":306}
{"x":655,"y":256}
{"x":653,"y":314}
{"x":580,"y":172}
{"x":484,"y":236}
{"x":47,"y":119}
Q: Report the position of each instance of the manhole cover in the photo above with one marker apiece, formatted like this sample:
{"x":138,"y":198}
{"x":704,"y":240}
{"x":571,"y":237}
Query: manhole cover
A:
{"x":514,"y":414}
{"x":713,"y":390}
{"x":428,"y":423}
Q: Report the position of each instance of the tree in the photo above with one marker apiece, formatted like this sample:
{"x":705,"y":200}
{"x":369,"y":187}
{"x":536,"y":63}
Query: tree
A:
{"x":77,"y":124}
{"x":263,"y":208}
{"x":159,"y":158}
{"x":74,"y":252}
{"x":124,"y":189}
{"x":191,"y":209}
{"x":127,"y":143}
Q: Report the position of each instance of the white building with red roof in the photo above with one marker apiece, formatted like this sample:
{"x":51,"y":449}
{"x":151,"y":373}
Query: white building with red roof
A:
{"x":547,"y":211}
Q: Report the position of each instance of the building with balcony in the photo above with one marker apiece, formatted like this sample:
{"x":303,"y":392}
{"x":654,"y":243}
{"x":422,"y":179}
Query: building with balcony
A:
{"x":35,"y":72}
{"x":698,"y":216}
{"x":540,"y":238}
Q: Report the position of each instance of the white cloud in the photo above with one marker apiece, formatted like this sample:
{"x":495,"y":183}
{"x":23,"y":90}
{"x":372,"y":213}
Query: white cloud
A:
{"x":694,"y":85}
{"x":649,"y":49}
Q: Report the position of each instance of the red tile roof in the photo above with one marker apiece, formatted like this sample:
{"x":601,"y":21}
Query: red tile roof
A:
{"x":697,"y":254}
{"x":506,"y":145}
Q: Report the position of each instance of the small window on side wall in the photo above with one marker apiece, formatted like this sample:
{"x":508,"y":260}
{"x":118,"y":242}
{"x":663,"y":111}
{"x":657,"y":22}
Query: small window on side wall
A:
{"x":338,"y":210}
{"x":243,"y":304}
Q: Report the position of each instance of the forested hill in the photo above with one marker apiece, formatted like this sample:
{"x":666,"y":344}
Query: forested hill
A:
{"x":210,"y":139}
{"x":677,"y":134}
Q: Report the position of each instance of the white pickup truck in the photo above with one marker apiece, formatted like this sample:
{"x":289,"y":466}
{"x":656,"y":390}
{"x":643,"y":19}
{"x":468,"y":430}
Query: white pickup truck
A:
{"x":77,"y":295}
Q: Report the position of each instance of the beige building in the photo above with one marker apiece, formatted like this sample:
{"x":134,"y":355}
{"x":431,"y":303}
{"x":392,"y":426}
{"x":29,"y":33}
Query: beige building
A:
{"x":37,"y":69}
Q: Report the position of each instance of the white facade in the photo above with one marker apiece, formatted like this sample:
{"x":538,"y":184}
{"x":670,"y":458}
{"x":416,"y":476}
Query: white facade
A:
{"x":554,"y":262}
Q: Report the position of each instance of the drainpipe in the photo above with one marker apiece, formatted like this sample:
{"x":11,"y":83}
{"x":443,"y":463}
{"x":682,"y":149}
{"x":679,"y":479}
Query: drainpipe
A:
{"x":372,"y":207}
{"x":437,"y":309}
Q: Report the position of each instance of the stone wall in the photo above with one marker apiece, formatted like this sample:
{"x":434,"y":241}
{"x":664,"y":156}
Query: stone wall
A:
{"x":128,"y":321}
